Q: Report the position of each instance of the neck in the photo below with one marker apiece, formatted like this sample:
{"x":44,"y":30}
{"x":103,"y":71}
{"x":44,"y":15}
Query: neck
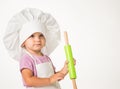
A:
{"x":36,"y":53}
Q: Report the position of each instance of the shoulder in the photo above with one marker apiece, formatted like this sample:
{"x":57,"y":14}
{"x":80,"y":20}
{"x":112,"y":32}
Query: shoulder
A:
{"x":47,"y":57}
{"x":26,"y":62}
{"x":26,"y":59}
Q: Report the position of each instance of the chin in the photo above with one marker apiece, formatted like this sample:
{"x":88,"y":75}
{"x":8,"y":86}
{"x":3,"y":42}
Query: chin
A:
{"x":37,"y":49}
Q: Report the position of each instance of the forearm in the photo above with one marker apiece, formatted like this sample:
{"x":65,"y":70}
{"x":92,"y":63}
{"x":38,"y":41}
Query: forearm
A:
{"x":64,"y":70}
{"x":35,"y":81}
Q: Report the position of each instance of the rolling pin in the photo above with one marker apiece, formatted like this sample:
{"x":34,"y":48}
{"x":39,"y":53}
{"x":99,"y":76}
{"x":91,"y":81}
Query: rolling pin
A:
{"x":69,"y":57}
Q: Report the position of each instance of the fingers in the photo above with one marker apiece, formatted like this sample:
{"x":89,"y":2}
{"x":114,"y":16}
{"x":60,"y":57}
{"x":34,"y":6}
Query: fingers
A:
{"x":59,"y":76}
{"x":56,"y":77}
{"x":66,"y":62}
{"x":74,"y":61}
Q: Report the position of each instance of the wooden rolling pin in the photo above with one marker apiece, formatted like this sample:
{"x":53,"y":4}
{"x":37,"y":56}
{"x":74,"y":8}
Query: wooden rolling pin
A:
{"x":69,"y":57}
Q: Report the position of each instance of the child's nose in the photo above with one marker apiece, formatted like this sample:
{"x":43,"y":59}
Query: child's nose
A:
{"x":37,"y":38}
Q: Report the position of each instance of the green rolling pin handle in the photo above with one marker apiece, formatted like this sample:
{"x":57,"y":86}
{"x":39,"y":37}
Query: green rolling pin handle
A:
{"x":69,"y":56}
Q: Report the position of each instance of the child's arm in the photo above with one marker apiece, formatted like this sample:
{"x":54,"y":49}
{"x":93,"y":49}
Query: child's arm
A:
{"x":64,"y":70}
{"x":34,"y":81}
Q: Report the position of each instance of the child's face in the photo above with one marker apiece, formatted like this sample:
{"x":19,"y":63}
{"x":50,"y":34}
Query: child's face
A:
{"x":35,"y":42}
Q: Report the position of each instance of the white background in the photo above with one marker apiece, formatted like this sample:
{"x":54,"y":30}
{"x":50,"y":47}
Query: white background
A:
{"x":94,"y":33}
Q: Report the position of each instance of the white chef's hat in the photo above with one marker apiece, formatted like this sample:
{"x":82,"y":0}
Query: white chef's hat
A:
{"x":24,"y":24}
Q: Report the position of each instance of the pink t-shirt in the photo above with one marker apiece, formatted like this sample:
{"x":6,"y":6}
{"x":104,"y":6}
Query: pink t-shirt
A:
{"x":29,"y":63}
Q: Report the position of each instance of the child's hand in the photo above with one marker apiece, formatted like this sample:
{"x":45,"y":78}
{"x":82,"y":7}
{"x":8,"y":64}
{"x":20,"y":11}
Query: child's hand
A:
{"x":56,"y":77}
{"x":61,"y":74}
{"x":65,"y":68}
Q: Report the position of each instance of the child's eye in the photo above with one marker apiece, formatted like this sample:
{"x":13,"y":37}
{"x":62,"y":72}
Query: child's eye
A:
{"x":32,"y":36}
{"x":41,"y":35}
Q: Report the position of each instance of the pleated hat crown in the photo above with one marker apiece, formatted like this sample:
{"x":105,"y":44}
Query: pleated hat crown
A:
{"x":24,"y":24}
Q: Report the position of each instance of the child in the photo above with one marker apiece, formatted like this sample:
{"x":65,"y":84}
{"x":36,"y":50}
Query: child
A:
{"x":31,"y":36}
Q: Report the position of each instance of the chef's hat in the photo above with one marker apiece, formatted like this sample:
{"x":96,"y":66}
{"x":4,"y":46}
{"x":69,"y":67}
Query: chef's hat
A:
{"x":24,"y":24}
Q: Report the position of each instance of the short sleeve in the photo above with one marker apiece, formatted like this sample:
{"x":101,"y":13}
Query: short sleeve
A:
{"x":26,"y":62}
